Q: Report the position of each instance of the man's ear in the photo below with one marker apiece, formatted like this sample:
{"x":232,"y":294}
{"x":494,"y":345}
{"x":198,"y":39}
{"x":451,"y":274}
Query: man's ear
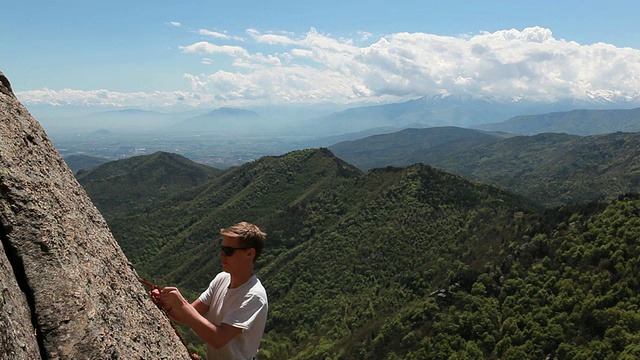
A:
{"x":252,"y":252}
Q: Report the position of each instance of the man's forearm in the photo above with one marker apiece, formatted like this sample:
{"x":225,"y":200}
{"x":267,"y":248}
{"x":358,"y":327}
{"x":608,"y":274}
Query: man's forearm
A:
{"x":205,"y":330}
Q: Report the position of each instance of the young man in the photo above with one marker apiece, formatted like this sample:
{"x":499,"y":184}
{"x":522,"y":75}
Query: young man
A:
{"x":235,"y":304}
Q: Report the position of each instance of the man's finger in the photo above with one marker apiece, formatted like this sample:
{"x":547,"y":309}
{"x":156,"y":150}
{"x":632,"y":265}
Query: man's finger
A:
{"x":169,"y":289}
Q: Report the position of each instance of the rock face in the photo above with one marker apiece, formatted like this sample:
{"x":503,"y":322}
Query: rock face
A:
{"x":66,"y":289}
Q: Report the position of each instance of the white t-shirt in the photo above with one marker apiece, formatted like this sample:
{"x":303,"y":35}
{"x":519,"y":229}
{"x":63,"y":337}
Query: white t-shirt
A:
{"x":244,"y":307}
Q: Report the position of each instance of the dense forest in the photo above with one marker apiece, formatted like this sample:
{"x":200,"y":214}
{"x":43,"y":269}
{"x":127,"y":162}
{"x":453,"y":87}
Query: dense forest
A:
{"x":396,"y":263}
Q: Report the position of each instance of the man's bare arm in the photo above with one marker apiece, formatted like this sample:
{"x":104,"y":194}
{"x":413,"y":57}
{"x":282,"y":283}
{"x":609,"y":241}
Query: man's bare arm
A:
{"x":200,"y":307}
{"x":190,"y":314}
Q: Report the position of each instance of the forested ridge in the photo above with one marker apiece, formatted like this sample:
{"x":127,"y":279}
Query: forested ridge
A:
{"x":127,"y":186}
{"x":409,"y":146}
{"x":550,"y":168}
{"x":402,"y":263}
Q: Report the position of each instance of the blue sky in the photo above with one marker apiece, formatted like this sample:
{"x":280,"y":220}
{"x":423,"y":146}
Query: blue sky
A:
{"x":163,"y":54}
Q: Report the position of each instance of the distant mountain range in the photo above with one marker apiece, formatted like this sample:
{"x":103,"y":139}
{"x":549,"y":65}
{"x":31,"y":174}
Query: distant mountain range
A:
{"x":577,"y":122}
{"x":427,"y":111}
{"x":430,"y":111}
{"x":228,"y":137}
{"x":441,"y":110}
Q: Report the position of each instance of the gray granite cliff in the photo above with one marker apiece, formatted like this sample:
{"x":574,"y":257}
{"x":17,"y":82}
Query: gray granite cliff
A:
{"x":66,"y":290}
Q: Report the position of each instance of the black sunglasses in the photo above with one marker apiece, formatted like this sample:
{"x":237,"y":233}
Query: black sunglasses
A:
{"x":228,"y":250}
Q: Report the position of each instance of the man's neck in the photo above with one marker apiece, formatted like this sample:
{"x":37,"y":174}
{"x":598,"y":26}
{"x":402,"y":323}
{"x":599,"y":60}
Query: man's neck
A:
{"x":240,"y":278}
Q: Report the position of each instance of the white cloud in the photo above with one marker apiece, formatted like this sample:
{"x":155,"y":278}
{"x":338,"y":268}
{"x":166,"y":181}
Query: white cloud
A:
{"x":257,"y":61}
{"x":271,"y":39}
{"x":106,"y":98}
{"x":302,"y":53}
{"x":204,"y":47}
{"x":219,"y":35}
{"x":315,"y":67}
{"x":214,"y":34}
{"x":196,"y":83}
{"x":175,"y":23}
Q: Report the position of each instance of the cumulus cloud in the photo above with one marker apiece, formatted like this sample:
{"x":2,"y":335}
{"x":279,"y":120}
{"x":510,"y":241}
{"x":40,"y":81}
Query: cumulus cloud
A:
{"x":506,"y":64}
{"x":175,"y":23}
{"x":315,"y":67}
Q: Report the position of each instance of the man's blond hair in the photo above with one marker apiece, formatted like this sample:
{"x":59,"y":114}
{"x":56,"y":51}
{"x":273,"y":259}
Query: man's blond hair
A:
{"x":250,"y":236}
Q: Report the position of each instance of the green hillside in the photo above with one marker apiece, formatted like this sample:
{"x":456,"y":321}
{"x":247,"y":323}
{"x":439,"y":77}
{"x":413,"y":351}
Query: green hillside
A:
{"x":402,"y":263}
{"x":131,"y":185}
{"x":330,"y":227}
